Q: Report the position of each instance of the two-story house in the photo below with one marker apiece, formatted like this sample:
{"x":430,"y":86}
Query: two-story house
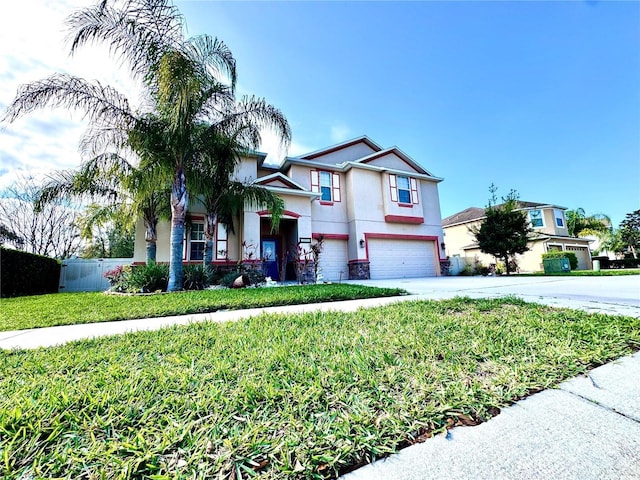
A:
{"x":376,"y":210}
{"x":549,"y":233}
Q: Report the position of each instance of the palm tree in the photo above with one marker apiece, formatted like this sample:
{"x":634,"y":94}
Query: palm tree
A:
{"x":190,"y":83}
{"x":580,"y":224}
{"x":222,"y":196}
{"x":127,"y":192}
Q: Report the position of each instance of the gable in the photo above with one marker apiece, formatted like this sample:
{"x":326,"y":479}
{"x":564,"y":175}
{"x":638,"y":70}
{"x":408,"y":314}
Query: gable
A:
{"x":278,"y":180}
{"x":345,"y":152}
{"x":276,"y":183}
{"x":393,"y":162}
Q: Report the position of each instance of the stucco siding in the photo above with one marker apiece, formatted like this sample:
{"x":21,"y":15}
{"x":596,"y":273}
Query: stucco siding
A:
{"x":392,"y":161}
{"x":347,"y":154}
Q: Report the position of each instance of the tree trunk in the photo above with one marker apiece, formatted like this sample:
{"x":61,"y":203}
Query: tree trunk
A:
{"x":151,"y":252}
{"x":151,"y":237}
{"x":179,"y":204}
{"x":209,"y":233}
{"x":506,"y":264}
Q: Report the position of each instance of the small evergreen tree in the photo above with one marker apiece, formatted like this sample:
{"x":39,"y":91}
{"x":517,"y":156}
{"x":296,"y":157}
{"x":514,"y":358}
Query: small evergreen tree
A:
{"x":505,"y":231}
{"x":630,"y":232}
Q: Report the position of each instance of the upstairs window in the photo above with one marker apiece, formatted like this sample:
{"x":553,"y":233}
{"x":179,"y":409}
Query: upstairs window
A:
{"x":327,"y":184}
{"x":559,"y":214}
{"x":404,"y":190}
{"x":536,"y":218}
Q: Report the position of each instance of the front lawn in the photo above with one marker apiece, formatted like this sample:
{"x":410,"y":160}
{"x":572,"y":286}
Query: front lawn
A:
{"x":298,"y":396}
{"x":73,"y":308}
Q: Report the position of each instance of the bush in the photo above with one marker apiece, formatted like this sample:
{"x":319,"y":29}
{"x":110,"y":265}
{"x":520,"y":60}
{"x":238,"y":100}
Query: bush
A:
{"x":194,"y":277}
{"x":23,"y":273}
{"x":148,"y":278}
{"x":573,"y":260}
{"x":119,"y":278}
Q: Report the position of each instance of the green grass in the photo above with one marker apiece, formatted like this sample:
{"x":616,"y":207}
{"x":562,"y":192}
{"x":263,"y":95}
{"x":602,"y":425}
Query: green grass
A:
{"x":585,"y":273}
{"x":75,"y":308}
{"x":300,"y":396}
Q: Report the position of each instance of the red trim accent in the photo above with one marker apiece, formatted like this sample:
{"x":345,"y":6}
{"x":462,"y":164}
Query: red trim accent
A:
{"x":263,"y":213}
{"x":340,"y":147}
{"x":197,"y":218}
{"x":392,"y":188}
{"x":403,"y":219}
{"x":405,"y":205}
{"x":331,"y":236}
{"x":336,"y":193}
{"x":282,"y":179}
{"x":398,"y":236}
{"x":315,"y":185}
{"x":325,"y":203}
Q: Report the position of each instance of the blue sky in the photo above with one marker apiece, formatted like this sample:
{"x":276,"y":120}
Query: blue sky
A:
{"x":542,"y":97}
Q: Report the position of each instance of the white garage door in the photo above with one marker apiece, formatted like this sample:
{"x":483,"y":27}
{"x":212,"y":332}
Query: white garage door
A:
{"x":582,"y":253}
{"x":333,"y":260}
{"x":401,"y":258}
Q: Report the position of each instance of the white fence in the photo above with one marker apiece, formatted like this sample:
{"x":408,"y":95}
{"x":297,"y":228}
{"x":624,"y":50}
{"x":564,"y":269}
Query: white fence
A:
{"x":457,"y":265}
{"x":87,"y":275}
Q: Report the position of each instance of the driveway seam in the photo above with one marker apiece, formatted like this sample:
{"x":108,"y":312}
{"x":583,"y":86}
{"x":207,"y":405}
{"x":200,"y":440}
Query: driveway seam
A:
{"x":601,"y":405}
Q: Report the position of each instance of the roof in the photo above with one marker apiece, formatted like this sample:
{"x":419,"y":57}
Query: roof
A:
{"x":468,"y":215}
{"x":333,"y":148}
{"x":472,"y":214}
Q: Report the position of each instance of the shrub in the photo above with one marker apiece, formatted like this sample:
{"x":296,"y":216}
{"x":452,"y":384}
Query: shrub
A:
{"x":24,"y":273}
{"x":573,"y":260}
{"x":119,"y":278}
{"x":148,"y":278}
{"x":195,"y":277}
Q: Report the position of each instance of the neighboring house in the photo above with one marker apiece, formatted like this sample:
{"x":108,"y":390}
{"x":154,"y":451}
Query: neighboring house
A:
{"x":549,"y":233}
{"x":377,"y":211}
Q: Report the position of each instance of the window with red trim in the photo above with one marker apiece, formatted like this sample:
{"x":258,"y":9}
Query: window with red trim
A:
{"x":327,"y":184}
{"x":404,"y":190}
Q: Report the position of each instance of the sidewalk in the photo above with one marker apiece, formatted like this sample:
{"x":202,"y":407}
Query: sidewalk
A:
{"x":50,"y":336}
{"x":587,"y":429}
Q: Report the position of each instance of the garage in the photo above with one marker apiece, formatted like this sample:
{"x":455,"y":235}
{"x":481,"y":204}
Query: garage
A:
{"x":582,"y":254}
{"x":390,"y":258}
{"x":333,"y":260}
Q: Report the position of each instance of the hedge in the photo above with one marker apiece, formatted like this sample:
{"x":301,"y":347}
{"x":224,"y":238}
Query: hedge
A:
{"x":573,"y":260}
{"x":23,"y":273}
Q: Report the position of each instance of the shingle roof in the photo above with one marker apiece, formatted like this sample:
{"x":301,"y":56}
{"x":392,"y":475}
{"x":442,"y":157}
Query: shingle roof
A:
{"x":474,"y":213}
{"x":468,"y":215}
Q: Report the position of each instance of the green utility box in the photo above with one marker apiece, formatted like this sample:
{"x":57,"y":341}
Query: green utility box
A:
{"x":556,"y":265}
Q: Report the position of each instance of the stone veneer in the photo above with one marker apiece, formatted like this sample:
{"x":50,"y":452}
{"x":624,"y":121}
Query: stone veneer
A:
{"x":359,"y":270}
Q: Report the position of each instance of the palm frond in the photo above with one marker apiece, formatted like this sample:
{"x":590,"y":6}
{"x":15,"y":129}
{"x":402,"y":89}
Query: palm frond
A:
{"x":100,"y":104}
{"x":213,"y":58}
{"x":135,"y":31}
{"x":251,"y":115}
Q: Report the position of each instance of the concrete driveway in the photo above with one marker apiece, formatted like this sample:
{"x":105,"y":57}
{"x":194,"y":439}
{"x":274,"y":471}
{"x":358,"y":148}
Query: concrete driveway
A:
{"x":613,"y":295}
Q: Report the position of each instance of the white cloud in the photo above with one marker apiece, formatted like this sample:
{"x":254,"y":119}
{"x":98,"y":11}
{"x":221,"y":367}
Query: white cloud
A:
{"x":275,"y":153}
{"x":340,"y":133}
{"x":33,"y":46}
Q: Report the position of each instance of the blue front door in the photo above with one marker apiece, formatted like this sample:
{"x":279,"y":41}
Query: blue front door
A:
{"x":269,"y":251}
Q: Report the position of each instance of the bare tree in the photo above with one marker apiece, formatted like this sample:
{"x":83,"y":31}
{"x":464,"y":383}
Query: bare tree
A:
{"x":51,"y":231}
